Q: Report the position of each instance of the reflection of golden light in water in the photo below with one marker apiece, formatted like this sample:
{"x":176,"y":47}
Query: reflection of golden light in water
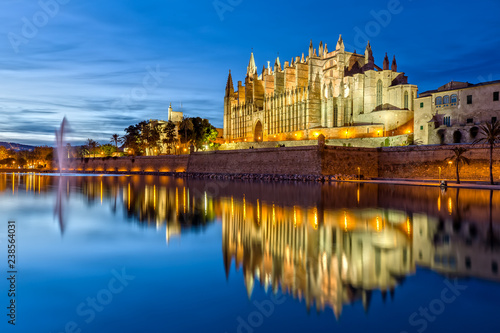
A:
{"x":206,"y":203}
{"x":274,"y":215}
{"x":128,"y":193}
{"x":315,"y":218}
{"x":450,"y":206}
{"x":294,"y":217}
{"x":39,"y":183}
{"x":184,"y":198}
{"x":101,"y":191}
{"x":288,"y":253}
{"x":378,"y":224}
{"x":154,"y":197}
{"x":232,"y":207}
{"x":324,"y":260}
{"x":244,"y":207}
{"x":345,"y":220}
{"x":439,"y":202}
{"x":358,"y":194}
{"x":258,"y":211}
{"x":408,"y":226}
{"x":177,"y":200}
{"x":13,"y":182}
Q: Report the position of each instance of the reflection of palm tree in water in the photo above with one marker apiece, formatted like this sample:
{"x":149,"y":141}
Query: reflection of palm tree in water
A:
{"x":493,"y":240}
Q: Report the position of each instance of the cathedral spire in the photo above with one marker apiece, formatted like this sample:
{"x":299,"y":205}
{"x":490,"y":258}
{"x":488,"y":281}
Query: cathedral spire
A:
{"x":340,"y":44}
{"x":229,"y":87}
{"x":326,"y":49}
{"x":394,"y":66}
{"x":386,"y":62}
{"x":251,"y":69}
{"x":311,"y":49}
{"x":302,"y":60}
{"x":321,"y":49}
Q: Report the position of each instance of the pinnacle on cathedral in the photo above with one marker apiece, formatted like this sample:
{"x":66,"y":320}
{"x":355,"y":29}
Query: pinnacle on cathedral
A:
{"x":394,"y":66}
{"x":386,"y":62}
{"x":340,"y":44}
{"x":252,"y":68}
{"x":229,"y":86}
{"x":277,"y":65}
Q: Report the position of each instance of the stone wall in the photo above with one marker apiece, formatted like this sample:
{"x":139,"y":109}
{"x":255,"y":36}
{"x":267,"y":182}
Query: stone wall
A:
{"x":421,"y":162}
{"x":346,"y":161}
{"x":174,"y":163}
{"x":280,"y":161}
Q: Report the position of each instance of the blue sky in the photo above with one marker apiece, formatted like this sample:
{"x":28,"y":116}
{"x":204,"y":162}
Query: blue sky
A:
{"x":91,"y":60}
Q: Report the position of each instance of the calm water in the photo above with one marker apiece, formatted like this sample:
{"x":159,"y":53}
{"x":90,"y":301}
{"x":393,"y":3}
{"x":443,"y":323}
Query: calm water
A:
{"x":158,"y":254}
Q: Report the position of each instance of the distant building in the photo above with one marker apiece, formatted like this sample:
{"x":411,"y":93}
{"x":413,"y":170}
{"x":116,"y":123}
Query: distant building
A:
{"x":453,"y":112}
{"x":336,"y":93}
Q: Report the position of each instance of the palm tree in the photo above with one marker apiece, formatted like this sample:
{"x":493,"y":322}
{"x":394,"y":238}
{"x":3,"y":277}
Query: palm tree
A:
{"x":185,"y":125}
{"x":491,"y":136}
{"x":457,"y":159}
{"x":92,"y":146}
{"x":115,"y":138}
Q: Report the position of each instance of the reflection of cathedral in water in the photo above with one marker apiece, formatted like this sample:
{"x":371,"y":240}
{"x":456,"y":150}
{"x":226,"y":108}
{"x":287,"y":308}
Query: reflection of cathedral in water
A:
{"x":326,"y":255}
{"x":329,"y":258}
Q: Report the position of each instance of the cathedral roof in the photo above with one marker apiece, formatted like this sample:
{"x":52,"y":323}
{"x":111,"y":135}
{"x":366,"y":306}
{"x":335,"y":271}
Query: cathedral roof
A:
{"x":455,"y":85}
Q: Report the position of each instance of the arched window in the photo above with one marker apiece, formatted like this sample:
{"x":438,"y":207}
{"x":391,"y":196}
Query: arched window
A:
{"x":454,"y":99}
{"x":379,"y":92}
{"x":446,"y":99}
{"x":406,"y":100}
{"x":439,"y":100}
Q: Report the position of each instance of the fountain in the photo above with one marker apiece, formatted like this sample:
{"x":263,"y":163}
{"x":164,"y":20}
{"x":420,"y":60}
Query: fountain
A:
{"x":60,"y":145}
{"x":61,"y":160}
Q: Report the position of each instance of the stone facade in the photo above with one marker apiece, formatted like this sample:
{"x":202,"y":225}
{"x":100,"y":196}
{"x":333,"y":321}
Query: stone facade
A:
{"x":323,"y":91}
{"x":452,"y":113}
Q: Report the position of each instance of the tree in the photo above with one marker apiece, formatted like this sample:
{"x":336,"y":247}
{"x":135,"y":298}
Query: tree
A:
{"x":115,"y":138}
{"x":186,"y":125}
{"x":169,"y":135}
{"x":457,"y":159}
{"x":132,"y":138}
{"x":491,"y":136}
{"x":3,"y":153}
{"x":92,"y":146}
{"x":108,"y":150}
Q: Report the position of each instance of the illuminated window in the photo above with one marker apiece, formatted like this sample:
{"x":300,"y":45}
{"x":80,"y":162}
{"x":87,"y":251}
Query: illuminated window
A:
{"x":439,"y":101}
